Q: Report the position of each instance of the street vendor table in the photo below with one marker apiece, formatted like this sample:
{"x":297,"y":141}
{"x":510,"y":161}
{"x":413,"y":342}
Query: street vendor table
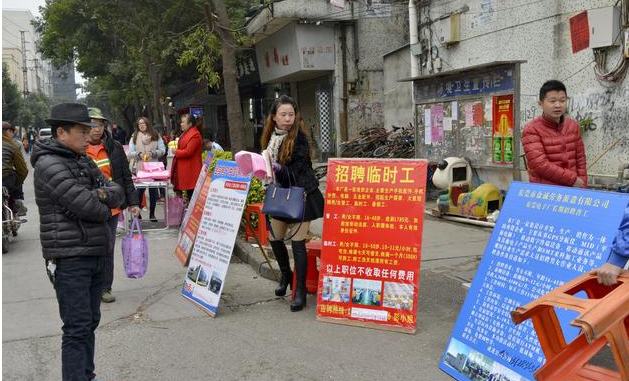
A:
{"x":155,"y":185}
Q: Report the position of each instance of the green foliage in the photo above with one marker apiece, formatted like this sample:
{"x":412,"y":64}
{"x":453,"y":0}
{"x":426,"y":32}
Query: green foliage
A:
{"x":256,"y":192}
{"x":129,"y":47}
{"x":129,"y":50}
{"x":202,"y":48}
{"x":11,"y":101}
{"x":34,"y":111}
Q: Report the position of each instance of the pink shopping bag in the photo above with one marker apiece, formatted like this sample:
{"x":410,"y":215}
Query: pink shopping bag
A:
{"x":135,"y":251}
{"x":176,"y":206}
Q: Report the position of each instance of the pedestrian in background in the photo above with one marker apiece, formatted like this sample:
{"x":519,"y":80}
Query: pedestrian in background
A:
{"x":110,"y":158}
{"x":75,"y":202}
{"x":119,"y":134}
{"x":14,"y":169}
{"x":187,"y":161}
{"x":554,"y":150}
{"x":211,"y":144}
{"x":285,"y":140}
{"x":146,"y":145}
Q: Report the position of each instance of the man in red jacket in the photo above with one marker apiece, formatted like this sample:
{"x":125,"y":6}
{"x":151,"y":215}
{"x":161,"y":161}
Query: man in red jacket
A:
{"x":552,"y":142}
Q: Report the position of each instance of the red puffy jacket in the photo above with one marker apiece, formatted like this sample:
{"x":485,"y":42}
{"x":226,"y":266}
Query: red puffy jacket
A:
{"x":187,"y":162}
{"x":554,"y":152}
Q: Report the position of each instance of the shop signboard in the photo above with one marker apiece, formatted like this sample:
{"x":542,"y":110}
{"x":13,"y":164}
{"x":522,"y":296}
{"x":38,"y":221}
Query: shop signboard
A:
{"x":371,"y":251}
{"x":482,"y":82}
{"x":216,"y":236}
{"x":546,"y":235}
{"x":192,"y":218}
{"x":502,"y":109}
{"x":196,"y":111}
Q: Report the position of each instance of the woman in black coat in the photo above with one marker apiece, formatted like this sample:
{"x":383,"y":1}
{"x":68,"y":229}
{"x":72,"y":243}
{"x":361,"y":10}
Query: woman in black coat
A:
{"x":285,"y":140}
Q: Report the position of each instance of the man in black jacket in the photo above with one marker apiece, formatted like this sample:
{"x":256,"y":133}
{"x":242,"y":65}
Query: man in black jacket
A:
{"x":110,"y":158}
{"x":74,"y":201}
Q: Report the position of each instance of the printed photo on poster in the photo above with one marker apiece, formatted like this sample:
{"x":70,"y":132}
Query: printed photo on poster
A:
{"x":216,"y":282}
{"x":335,"y":289}
{"x":367,"y":292}
{"x":398,"y":296}
{"x":436,"y":112}
{"x":457,"y":355}
{"x":198,"y":275}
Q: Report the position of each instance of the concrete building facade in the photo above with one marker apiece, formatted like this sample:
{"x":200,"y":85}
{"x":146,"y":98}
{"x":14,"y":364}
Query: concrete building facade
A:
{"x":328,"y":55}
{"x":538,"y":32}
{"x":17,"y":27}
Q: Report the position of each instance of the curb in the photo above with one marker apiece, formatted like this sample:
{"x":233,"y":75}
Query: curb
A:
{"x":251,"y":255}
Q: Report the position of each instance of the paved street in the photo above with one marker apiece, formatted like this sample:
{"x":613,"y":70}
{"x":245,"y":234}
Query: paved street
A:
{"x":152,"y":333}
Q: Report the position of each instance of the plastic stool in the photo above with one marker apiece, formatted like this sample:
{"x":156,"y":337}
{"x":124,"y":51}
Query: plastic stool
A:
{"x":603,"y":319}
{"x":261,"y":230}
{"x":312,"y":276}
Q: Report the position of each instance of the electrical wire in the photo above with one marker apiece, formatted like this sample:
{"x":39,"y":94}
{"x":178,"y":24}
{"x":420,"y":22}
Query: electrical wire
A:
{"x":618,"y":72}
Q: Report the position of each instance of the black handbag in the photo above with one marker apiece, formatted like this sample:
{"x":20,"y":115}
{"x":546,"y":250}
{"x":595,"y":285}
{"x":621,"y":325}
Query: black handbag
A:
{"x":289,"y":203}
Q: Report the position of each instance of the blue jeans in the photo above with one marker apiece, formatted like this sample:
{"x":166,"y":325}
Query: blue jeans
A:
{"x":79,"y":284}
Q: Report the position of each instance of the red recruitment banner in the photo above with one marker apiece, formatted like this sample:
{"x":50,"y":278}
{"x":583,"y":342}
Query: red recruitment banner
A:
{"x":372,"y":235}
{"x":191,"y":227}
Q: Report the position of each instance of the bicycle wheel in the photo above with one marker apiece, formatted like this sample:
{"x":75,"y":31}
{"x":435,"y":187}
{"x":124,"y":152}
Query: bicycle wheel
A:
{"x":381,"y":151}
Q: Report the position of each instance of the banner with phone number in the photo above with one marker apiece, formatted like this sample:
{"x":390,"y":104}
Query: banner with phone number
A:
{"x":372,"y":237}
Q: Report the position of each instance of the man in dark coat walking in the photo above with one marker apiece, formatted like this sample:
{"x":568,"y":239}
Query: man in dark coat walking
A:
{"x":74,"y":201}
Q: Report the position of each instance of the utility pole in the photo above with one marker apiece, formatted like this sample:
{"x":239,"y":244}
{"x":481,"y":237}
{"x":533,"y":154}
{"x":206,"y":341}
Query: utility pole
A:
{"x":24,"y":68}
{"x":37,"y":78}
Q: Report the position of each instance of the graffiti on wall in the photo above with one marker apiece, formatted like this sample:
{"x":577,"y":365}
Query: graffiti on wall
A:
{"x":365,"y":112}
{"x":528,"y":113}
{"x":604,"y":119}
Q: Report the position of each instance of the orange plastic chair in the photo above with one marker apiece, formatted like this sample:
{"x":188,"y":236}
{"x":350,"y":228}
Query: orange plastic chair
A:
{"x":261,"y":230}
{"x":603,"y":319}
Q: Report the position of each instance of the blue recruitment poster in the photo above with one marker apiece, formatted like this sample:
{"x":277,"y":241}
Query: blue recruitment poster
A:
{"x":216,"y":237}
{"x":546,"y":235}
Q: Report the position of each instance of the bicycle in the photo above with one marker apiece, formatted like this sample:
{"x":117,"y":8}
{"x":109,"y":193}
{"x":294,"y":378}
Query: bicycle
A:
{"x":10,"y":221}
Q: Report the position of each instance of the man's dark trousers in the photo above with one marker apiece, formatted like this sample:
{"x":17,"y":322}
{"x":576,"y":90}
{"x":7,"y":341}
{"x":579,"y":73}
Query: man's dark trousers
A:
{"x":79,"y":284}
{"x":108,"y":266}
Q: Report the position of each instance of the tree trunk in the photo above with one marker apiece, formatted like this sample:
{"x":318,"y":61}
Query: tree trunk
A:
{"x":156,"y":79}
{"x":128,"y":114}
{"x":147,"y":110}
{"x":232,"y":93}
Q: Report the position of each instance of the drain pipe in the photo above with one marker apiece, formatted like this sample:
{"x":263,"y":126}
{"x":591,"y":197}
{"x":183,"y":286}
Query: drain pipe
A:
{"x":469,"y":221}
{"x":414,"y":36}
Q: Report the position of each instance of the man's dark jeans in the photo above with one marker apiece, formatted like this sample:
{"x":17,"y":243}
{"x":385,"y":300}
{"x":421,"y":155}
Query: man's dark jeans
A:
{"x":79,"y":284}
{"x":108,"y":266}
